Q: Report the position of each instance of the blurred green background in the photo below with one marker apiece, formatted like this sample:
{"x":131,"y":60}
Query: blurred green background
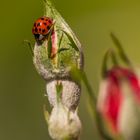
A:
{"x":22,"y":89}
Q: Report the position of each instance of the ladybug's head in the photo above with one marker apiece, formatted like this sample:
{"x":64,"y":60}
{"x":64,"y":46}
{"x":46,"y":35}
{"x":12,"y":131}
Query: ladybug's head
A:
{"x":41,"y":28}
{"x":39,"y":38}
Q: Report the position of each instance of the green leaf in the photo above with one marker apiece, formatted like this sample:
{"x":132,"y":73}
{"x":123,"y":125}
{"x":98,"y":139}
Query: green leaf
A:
{"x":110,"y":54}
{"x":49,"y":47}
{"x":60,"y":40}
{"x":59,"y":88}
{"x":72,"y":41}
{"x":121,"y":51}
{"x":28,"y":43}
{"x":62,"y":49}
{"x":46,"y":114}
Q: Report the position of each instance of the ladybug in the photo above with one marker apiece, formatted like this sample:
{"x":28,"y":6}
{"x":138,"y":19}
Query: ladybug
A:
{"x":42,"y":28}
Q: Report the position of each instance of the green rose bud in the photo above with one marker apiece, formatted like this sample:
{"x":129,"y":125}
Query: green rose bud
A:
{"x":60,"y":51}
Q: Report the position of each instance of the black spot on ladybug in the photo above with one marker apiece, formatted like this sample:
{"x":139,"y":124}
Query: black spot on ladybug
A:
{"x":42,"y":18}
{"x":44,"y":23}
{"x":38,"y":24}
{"x":36,"y":29}
{"x":39,"y":29}
{"x":49,"y":21}
{"x":34,"y":24}
{"x":43,"y":31}
{"x":48,"y":27}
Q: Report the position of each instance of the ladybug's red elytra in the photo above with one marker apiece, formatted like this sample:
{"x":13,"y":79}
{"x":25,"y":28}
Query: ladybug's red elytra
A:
{"x":41,"y":28}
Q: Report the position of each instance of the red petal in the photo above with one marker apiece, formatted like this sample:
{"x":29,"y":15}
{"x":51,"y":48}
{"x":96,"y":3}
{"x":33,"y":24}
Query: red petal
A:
{"x":113,"y":102}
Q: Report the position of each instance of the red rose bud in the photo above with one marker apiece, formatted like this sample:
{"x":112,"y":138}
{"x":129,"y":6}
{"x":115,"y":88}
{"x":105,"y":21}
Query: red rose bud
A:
{"x":119,"y":100}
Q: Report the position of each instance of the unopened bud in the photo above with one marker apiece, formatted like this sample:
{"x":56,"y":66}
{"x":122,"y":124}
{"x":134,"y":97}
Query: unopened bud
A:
{"x":64,"y":124}
{"x":119,"y":102}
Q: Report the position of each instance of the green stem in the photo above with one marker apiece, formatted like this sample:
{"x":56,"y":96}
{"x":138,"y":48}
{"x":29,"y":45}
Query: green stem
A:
{"x":89,"y":88}
{"x":92,"y":102}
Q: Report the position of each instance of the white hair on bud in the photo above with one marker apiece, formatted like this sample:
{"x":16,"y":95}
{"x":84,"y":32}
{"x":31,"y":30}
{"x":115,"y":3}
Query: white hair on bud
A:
{"x":71,"y":92}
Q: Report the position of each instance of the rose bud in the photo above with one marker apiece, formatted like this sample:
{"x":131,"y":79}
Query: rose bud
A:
{"x":119,"y":102}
